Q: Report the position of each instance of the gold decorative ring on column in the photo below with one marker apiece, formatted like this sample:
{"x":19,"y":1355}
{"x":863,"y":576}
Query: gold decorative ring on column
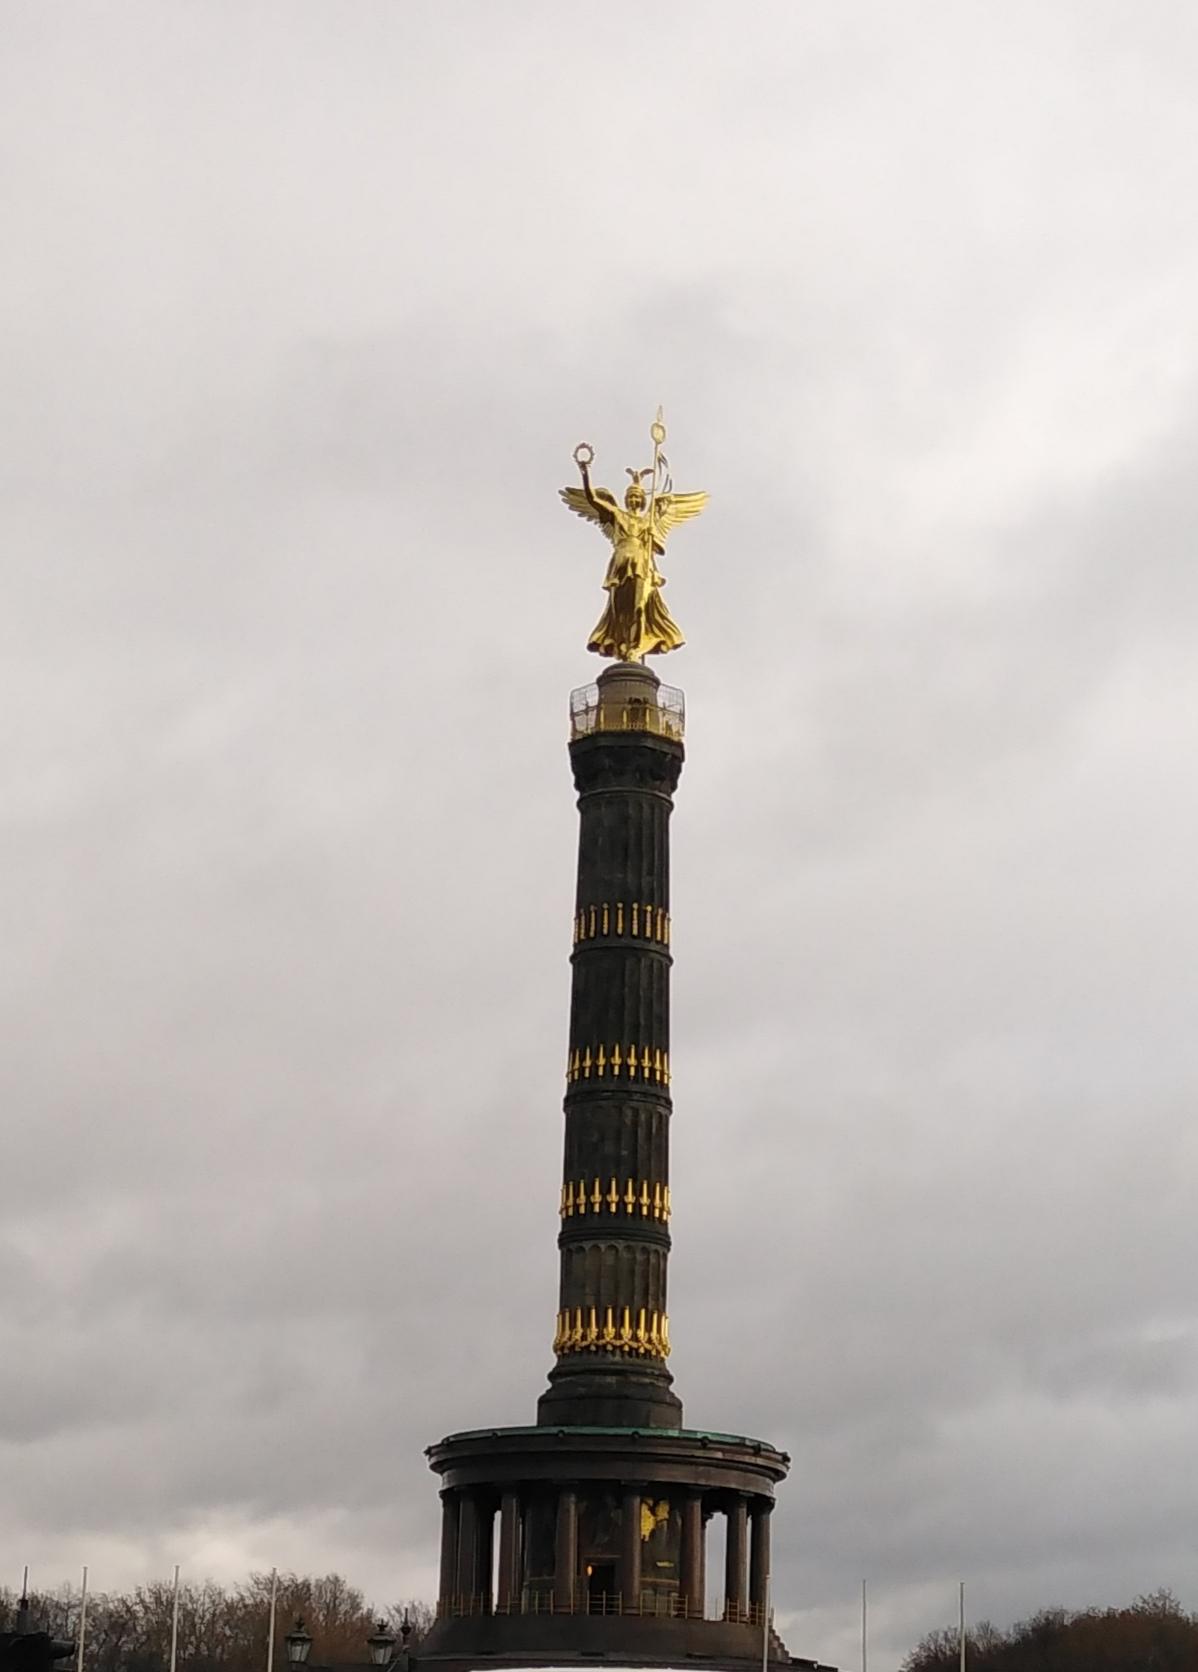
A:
{"x":636,"y":919}
{"x":641,"y":1334}
{"x":640,"y":1064}
{"x":614,"y":1196}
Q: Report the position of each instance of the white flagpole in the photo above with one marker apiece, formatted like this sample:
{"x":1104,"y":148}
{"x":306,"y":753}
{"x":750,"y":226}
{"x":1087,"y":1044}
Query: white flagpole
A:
{"x":270,"y":1636}
{"x":175,"y":1623}
{"x":82,"y":1622}
{"x":961,"y":1631}
{"x":864,"y":1632}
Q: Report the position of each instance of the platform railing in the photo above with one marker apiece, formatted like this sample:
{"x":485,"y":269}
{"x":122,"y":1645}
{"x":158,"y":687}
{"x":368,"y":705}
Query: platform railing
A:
{"x":592,"y":711}
{"x":662,"y":1605}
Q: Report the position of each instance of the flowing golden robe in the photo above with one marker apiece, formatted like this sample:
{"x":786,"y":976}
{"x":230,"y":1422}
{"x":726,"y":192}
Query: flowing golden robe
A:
{"x":636,"y":622}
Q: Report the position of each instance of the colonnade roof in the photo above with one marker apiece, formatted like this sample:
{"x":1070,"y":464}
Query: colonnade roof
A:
{"x":644,"y":1433}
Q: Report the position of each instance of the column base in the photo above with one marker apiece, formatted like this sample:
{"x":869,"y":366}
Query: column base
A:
{"x":593,"y":1396}
{"x":462,"y":1645}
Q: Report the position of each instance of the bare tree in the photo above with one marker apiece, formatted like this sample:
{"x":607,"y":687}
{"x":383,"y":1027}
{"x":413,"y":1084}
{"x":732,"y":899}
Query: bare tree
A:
{"x":222,"y":1629}
{"x":1154,"y":1634}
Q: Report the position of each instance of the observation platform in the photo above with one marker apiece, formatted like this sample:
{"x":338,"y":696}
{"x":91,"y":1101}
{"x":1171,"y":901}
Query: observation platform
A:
{"x":629,"y":698}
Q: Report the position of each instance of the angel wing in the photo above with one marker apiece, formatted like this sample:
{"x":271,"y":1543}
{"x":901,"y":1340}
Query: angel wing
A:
{"x":603,"y":513}
{"x":670,"y":509}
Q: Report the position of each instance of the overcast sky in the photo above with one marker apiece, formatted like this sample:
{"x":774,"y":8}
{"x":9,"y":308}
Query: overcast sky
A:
{"x":303,"y":308}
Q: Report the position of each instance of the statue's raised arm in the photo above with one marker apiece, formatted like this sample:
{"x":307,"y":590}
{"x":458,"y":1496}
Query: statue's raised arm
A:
{"x":597,"y":505}
{"x":635,"y":622}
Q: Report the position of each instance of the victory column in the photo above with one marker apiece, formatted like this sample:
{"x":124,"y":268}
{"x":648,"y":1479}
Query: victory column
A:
{"x":603,"y":1505}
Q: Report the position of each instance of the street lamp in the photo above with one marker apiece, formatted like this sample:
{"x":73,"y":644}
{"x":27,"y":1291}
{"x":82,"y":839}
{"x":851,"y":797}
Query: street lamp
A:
{"x":381,"y":1645}
{"x":299,"y":1644}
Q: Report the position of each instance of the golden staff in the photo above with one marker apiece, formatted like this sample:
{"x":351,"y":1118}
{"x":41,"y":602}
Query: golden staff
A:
{"x":657,"y":430}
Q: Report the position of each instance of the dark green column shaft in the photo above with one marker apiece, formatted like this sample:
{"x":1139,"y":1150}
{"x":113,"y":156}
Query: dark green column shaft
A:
{"x":612,"y":1324}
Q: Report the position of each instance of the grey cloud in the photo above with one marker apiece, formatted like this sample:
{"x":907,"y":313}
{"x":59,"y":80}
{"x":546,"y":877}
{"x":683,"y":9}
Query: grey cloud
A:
{"x":302,"y":324}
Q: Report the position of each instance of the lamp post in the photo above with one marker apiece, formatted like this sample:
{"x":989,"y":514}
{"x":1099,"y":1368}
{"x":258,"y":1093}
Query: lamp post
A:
{"x":299,"y":1644}
{"x":381,"y":1645}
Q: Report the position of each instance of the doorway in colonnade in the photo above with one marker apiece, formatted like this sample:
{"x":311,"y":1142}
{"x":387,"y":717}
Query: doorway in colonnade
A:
{"x":601,"y":1588}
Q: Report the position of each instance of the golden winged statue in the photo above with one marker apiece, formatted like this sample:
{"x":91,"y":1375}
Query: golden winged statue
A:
{"x":636,"y":622}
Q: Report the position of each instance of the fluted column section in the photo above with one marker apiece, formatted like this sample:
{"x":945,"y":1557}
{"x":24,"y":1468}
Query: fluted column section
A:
{"x":565,"y":1561}
{"x":630,"y":1547}
{"x":484,"y":1561}
{"x":759,"y":1552}
{"x":449,"y":1549}
{"x":467,"y":1572}
{"x":612,"y":1334}
{"x":735,"y":1560}
{"x":508,"y":1594}
{"x":692,"y":1577}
